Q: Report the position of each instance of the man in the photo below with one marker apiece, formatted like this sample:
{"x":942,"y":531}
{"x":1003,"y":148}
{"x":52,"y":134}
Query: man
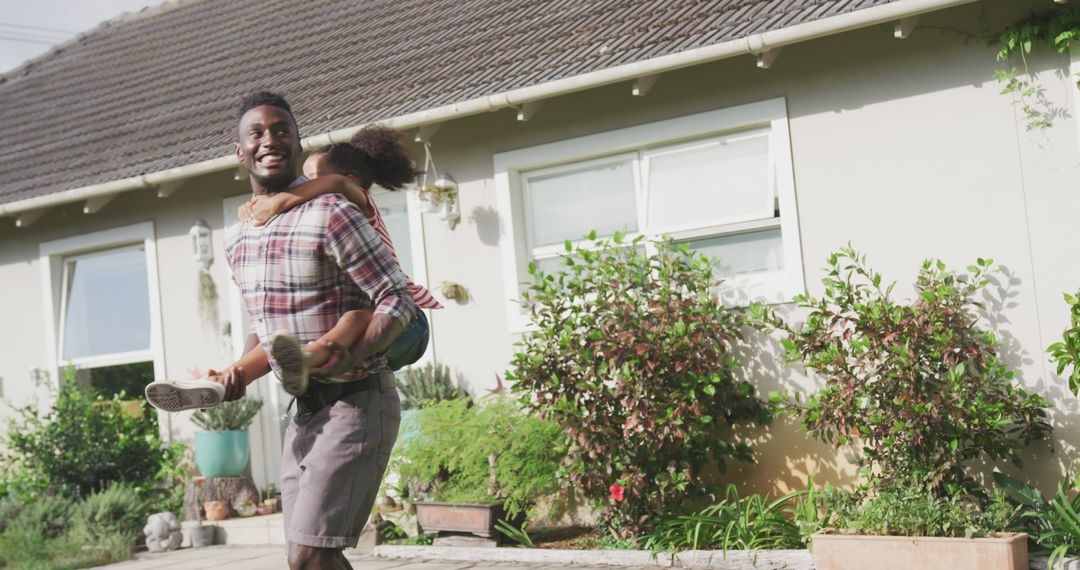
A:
{"x":300,"y":272}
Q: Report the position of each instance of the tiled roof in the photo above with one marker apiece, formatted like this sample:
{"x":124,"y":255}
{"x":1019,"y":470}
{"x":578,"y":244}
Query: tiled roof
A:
{"x":159,"y":89}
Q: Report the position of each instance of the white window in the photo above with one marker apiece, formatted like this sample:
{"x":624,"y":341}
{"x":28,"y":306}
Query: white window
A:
{"x":719,"y":182}
{"x":103,"y":292}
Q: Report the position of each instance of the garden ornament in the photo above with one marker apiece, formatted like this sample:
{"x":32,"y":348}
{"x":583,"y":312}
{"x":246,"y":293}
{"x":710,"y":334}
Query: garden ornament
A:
{"x":162,"y":532}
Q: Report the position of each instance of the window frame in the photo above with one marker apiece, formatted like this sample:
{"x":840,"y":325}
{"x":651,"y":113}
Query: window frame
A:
{"x":770,"y":116}
{"x":54,"y":256}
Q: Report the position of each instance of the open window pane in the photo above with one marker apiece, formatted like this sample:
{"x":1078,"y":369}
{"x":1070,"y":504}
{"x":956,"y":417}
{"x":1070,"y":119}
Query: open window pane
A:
{"x":749,"y":252}
{"x":128,"y":379}
{"x":710,"y":182}
{"x":571,"y":203}
{"x":107,"y":309}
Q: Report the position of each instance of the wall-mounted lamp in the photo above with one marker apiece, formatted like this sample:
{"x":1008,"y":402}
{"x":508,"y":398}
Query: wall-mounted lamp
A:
{"x":201,"y":247}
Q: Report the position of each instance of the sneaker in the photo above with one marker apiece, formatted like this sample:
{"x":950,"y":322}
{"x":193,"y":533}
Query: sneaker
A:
{"x":293,"y":362}
{"x":181,"y":395}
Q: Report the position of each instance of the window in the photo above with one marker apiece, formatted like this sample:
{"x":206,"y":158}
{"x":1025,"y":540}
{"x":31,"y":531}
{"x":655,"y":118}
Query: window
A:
{"x":395,"y":213}
{"x":103,"y":316}
{"x":719,"y":182}
{"x":105,"y":308}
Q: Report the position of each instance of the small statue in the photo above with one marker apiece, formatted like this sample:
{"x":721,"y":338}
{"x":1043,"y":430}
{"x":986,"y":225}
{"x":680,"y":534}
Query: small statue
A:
{"x":162,"y":532}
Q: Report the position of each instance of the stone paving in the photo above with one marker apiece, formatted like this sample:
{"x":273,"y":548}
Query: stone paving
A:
{"x":273,"y":558}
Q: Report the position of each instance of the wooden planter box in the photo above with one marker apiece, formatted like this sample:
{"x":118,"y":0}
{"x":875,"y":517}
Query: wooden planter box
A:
{"x":449,"y":517}
{"x":1007,"y":551}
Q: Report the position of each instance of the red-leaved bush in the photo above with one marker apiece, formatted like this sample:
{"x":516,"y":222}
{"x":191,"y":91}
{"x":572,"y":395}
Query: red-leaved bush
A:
{"x":916,"y":386}
{"x":632,"y":357}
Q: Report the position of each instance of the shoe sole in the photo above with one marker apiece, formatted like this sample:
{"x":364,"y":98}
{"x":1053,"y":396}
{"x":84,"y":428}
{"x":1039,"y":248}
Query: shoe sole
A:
{"x":290,"y":357}
{"x":173,"y":398}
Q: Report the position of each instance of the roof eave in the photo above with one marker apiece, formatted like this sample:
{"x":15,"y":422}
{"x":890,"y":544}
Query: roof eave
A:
{"x":756,"y":44}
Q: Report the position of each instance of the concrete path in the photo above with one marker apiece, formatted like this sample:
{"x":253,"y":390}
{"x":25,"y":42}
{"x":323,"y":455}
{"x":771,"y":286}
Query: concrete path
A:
{"x":273,"y":558}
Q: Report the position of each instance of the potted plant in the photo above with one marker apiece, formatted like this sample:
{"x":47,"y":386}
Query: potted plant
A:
{"x":271,"y":499}
{"x":434,"y":196}
{"x":221,"y":450}
{"x":917,"y":389}
{"x":201,"y":535}
{"x":912,"y":527}
{"x":470,"y":465}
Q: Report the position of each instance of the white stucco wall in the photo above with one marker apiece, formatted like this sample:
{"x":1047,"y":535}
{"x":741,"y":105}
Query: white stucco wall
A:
{"x":903,"y":147}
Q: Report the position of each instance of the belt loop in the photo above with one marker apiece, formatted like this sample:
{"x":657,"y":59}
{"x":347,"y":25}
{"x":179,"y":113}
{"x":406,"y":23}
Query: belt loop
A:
{"x":382,"y":376}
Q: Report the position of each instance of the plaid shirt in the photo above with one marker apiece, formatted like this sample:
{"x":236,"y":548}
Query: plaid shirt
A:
{"x":306,"y":267}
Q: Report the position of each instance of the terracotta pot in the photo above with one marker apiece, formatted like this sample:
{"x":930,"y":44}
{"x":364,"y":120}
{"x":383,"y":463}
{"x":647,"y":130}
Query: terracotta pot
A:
{"x":216,"y":510}
{"x":1006,"y":551}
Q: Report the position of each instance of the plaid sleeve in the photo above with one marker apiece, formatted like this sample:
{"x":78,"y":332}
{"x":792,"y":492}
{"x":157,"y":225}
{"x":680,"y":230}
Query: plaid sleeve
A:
{"x":355,"y":247}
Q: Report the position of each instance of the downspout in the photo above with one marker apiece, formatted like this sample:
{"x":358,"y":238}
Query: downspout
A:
{"x":751,"y":45}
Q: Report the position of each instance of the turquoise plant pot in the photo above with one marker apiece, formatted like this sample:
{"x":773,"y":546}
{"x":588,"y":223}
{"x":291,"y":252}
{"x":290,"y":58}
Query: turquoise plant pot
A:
{"x":221,"y":453}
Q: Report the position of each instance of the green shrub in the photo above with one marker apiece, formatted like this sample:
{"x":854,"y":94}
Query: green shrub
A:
{"x":632,"y":356}
{"x":468,"y":453}
{"x":53,"y":532}
{"x":428,"y":385}
{"x":82,"y":444}
{"x":47,"y":516}
{"x":917,"y":387}
{"x":118,"y":510}
{"x":236,"y":415}
{"x":1066,"y":354}
{"x":914,"y":511}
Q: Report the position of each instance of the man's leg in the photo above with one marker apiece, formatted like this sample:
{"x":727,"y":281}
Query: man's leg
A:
{"x":310,"y":558}
{"x":331,"y":472}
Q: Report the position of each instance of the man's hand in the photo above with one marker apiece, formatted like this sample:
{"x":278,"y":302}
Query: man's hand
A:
{"x":233,"y":378}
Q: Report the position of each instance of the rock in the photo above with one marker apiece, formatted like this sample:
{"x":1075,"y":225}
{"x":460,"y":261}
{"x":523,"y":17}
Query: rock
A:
{"x":162,"y":532}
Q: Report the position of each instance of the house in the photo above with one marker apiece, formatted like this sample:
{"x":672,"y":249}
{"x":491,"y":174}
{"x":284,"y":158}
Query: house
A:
{"x":874,"y":122}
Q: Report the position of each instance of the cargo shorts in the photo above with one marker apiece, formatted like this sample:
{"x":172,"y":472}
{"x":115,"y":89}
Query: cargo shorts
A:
{"x":333,"y":463}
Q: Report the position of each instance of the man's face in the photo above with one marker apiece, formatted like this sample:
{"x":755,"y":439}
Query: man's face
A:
{"x":268,"y":146}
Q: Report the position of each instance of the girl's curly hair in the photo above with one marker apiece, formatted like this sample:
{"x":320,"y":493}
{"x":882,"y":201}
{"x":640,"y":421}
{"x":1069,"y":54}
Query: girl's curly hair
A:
{"x":376,"y":154}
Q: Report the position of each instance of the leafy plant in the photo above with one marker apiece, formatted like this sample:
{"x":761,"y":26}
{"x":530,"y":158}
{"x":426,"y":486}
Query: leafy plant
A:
{"x":1054,"y":523}
{"x":917,"y":386}
{"x":81,"y":445}
{"x":914,"y":511}
{"x":436,"y":194}
{"x":518,"y":534}
{"x":1066,"y":354}
{"x":44,"y":535}
{"x":753,"y":522}
{"x":468,"y":453}
{"x":236,"y":415}
{"x":118,"y":510}
{"x":1057,"y":29}
{"x":632,"y":357}
{"x":427,"y":385}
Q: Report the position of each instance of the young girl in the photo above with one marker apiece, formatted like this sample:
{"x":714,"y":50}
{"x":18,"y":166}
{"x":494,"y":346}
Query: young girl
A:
{"x":375,"y":155}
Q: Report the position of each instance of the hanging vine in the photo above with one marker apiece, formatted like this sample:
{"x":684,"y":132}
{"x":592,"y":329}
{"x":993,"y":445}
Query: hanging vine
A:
{"x":1055,"y":29}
